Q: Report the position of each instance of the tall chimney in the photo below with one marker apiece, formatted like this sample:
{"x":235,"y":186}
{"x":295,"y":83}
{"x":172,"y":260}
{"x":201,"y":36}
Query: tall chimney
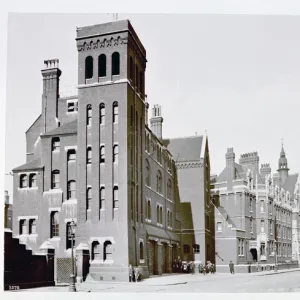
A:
{"x":156,"y":121}
{"x":51,"y":74}
{"x":230,"y":168}
{"x":6,"y":197}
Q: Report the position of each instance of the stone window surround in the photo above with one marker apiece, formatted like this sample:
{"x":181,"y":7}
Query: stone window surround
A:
{"x":101,"y":241}
{"x":146,"y":219}
{"x":101,"y":186}
{"x":142,"y":261}
{"x":170,"y":215}
{"x":27,"y":218}
{"x":27,"y":178}
{"x":72,"y":101}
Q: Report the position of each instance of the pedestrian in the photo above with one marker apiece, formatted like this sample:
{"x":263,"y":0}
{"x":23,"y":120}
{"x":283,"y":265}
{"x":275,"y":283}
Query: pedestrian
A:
{"x":130,"y":273}
{"x":231,"y":267}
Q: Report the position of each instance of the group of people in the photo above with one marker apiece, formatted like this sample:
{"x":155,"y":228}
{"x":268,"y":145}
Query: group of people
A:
{"x":134,"y":274}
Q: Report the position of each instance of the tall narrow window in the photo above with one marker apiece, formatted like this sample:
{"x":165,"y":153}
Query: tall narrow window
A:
{"x":72,"y":189}
{"x":131,"y":70}
{"x":23,"y":181}
{"x":148,"y":174}
{"x":262,"y":226}
{"x":141,"y":250}
{"x":168,"y":219}
{"x":71,"y":155}
{"x":251,"y":225}
{"x":196,"y":248}
{"x":160,"y":215}
{"x":69,"y":237}
{"x":116,"y":197}
{"x":102,"y":155}
{"x":186,"y":248}
{"x":55,"y":144}
{"x":136,"y":77}
{"x":141,"y":82}
{"x":102,"y":198}
{"x":55,"y":179}
{"x":250,"y":204}
{"x":102,"y":65}
{"x":115,"y":63}
{"x":32,"y":226}
{"x":115,"y":153}
{"x":89,"y":155}
{"x":89,"y":115}
{"x":102,"y":113}
{"x":96,"y":251}
{"x":171,"y":219}
{"x":149,"y":210}
{"x":32,"y":180}
{"x":54,"y":224}
{"x":22,"y":227}
{"x":89,"y":67}
{"x":107,"y":255}
{"x":89,"y":198}
{"x":115,"y":112}
{"x":157,"y":214}
{"x":169,"y":186}
{"x":159,"y":182}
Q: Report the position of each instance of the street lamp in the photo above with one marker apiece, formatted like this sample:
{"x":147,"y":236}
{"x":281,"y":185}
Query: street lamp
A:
{"x":72,"y":225}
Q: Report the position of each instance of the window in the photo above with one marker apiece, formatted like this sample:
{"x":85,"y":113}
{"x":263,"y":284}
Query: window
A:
{"x":251,"y":225}
{"x":96,"y":251}
{"x":102,"y":65}
{"x":89,"y":115}
{"x":89,"y":155}
{"x":55,"y":144}
{"x":141,"y":82}
{"x":71,"y":155}
{"x":168,"y":219}
{"x":262,"y":206}
{"x":89,"y":198}
{"x":136,"y":77}
{"x":131,"y":70}
{"x":160,"y":215}
{"x":32,"y":226}
{"x":32,"y":180}
{"x":141,"y":250}
{"x":169,"y":187}
{"x":102,"y":198}
{"x":55,"y":179}
{"x":149,"y":210}
{"x":69,"y":236}
{"x":115,"y":112}
{"x":171,"y":219}
{"x":159,"y":182}
{"x":271,"y":228}
{"x":262,"y":249}
{"x":23,"y":181}
{"x":196,"y":248}
{"x":107,"y":255}
{"x":72,"y":189}
{"x":102,"y":155}
{"x":115,"y":63}
{"x":22,"y":227}
{"x":262,"y":225}
{"x":148,"y":174}
{"x":186,"y":248}
{"x":89,"y":62}
{"x":219,"y":226}
{"x":72,"y":106}
{"x":251,"y":205}
{"x":54,"y":224}
{"x":157,"y":214}
{"x":241,"y":247}
{"x":102,"y":113}
{"x":115,"y":153}
{"x":116,"y":197}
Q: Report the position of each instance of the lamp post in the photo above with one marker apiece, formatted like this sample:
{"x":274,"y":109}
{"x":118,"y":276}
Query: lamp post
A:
{"x":72,"y":225}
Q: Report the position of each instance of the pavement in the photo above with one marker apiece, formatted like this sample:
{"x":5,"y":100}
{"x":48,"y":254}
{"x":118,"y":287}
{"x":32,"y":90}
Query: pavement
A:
{"x":197,"y":283}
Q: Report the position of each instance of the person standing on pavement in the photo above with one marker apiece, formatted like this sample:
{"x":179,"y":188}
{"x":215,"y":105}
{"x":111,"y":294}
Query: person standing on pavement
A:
{"x":231,"y":267}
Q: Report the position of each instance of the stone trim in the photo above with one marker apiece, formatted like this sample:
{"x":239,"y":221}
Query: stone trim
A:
{"x":189,"y":165}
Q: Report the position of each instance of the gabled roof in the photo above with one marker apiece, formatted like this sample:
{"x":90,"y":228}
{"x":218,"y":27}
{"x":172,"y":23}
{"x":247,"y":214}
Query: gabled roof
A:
{"x":186,"y":149}
{"x":239,"y":173}
{"x":69,"y":128}
{"x":290,"y":183}
{"x":32,"y":165}
{"x":37,"y":119}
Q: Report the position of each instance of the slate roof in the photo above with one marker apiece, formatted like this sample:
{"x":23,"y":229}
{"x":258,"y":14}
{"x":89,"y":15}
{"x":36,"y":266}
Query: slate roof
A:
{"x":290,"y":183}
{"x":32,"y":165}
{"x":186,"y":149}
{"x":69,"y":128}
{"x":239,"y":172}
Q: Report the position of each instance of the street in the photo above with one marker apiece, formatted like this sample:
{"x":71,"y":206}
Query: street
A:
{"x":263,"y":282}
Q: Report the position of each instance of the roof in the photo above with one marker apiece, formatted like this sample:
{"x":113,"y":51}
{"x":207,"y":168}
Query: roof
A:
{"x":37,"y":119}
{"x":34,"y":164}
{"x":290,"y":183}
{"x":186,"y":149}
{"x":157,"y":232}
{"x":239,"y":173}
{"x":69,"y":128}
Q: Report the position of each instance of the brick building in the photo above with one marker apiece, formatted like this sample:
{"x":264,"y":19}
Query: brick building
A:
{"x":257,"y":220}
{"x":93,"y":158}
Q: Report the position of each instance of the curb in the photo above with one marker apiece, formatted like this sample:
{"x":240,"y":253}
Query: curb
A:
{"x":276,"y":273}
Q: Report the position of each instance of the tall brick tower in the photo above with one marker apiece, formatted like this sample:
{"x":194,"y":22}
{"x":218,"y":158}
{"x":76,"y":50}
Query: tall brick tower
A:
{"x":110,"y":141}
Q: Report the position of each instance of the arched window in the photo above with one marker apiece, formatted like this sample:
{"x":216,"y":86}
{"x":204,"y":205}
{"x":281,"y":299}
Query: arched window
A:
{"x":102,"y":113}
{"x":54,"y":230}
{"x":116,"y":197}
{"x":89,"y":62}
{"x":102,"y":155}
{"x":149,"y":210}
{"x":96,"y":251}
{"x":169,"y":187}
{"x":115,"y":112}
{"x":72,"y":189}
{"x":32,"y":180}
{"x":107,"y":255}
{"x":102,"y":65}
{"x":89,"y":198}
{"x":55,"y":179}
{"x":23,"y":181}
{"x":102,"y":198}
{"x":159,"y":182}
{"x":89,"y":115}
{"x":131,"y":70}
{"x":89,"y":155}
{"x":55,"y":144}
{"x":148,"y":174}
{"x":157,"y":214}
{"x":141,"y":250}
{"x":115,"y":63}
{"x":71,"y":155}
{"x":115,"y":153}
{"x":32,"y":226}
{"x":160,"y":215}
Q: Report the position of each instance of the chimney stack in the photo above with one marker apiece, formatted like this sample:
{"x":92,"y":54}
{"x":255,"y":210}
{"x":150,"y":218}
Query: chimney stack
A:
{"x":230,"y":168}
{"x":156,"y":121}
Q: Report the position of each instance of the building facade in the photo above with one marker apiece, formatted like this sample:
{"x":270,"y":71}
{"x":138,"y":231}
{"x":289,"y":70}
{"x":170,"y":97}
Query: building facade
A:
{"x":92,"y":158}
{"x":257,"y":220}
{"x":8,"y":211}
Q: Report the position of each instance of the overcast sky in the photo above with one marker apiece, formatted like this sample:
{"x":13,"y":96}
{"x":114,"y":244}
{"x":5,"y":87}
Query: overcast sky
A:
{"x":235,"y":76}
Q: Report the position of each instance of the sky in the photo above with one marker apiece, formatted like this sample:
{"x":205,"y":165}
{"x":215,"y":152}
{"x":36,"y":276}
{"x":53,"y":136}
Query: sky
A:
{"x":234,"y":76}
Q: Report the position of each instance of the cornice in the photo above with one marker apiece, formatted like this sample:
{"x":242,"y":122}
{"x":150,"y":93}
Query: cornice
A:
{"x":189,"y":165}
